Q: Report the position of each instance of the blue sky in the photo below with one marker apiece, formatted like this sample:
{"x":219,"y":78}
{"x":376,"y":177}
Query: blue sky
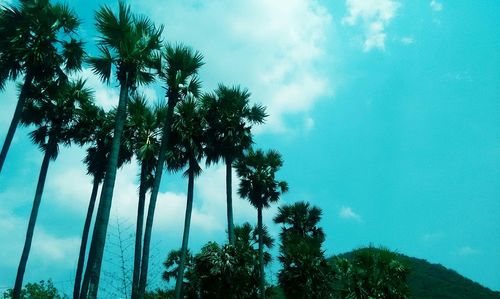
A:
{"x":386,"y":113}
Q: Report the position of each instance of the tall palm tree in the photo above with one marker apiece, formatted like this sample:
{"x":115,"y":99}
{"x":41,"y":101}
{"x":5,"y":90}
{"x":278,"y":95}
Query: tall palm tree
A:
{"x":144,"y":126}
{"x":257,"y":170}
{"x":186,"y":149}
{"x":38,"y":41}
{"x":179,"y":72}
{"x":130,"y":43}
{"x":229,"y":121}
{"x":305,"y":273}
{"x":95,"y":127}
{"x":53,"y":110}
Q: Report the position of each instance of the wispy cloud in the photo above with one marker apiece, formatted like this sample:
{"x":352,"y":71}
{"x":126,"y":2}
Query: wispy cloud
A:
{"x":347,"y":213}
{"x":459,"y":76}
{"x":374,"y":16}
{"x":430,"y":237}
{"x":436,"y":6}
{"x":407,"y":40}
{"x":467,"y":251}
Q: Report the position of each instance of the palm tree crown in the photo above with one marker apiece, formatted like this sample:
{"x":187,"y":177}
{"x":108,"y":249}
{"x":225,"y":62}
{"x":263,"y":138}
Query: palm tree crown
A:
{"x":300,"y":219}
{"x":187,"y":141}
{"x":37,"y":41}
{"x":32,"y":44}
{"x":257,"y":173}
{"x":130,"y":43}
{"x":55,"y":110}
{"x":229,"y":119}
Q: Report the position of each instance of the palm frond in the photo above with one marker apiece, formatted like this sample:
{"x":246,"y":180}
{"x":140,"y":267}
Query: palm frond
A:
{"x":65,"y":18}
{"x":73,"y":53}
{"x":102,"y":65}
{"x":113,"y":29}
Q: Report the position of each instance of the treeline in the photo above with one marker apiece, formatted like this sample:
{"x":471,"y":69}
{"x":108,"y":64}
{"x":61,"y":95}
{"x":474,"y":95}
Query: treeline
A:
{"x":40,"y":48}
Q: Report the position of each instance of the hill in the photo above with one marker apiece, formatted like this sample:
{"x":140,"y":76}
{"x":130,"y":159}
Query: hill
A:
{"x":429,"y":281}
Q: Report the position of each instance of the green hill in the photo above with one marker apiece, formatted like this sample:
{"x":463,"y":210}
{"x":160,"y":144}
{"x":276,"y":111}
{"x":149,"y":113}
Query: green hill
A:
{"x":429,"y":281}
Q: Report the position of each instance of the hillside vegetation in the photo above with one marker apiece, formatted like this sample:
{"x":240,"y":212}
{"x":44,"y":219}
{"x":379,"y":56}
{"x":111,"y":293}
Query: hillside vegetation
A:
{"x":429,"y":281}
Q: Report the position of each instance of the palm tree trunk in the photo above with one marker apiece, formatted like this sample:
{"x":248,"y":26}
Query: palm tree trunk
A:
{"x":230,"y":223}
{"x":93,"y":270}
{"x":85,"y":235}
{"x":31,"y":225}
{"x":15,"y":120}
{"x":185,"y":237}
{"x":138,"y":232}
{"x":154,"y":195}
{"x":262,"y":282}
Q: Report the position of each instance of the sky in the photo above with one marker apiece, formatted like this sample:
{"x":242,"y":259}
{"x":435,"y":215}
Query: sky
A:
{"x":386,"y":114}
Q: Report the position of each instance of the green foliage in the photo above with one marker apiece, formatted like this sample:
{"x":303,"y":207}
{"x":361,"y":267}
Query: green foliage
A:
{"x":222,"y":271}
{"x":371,"y":273}
{"x":426,"y":280}
{"x":40,"y":290}
{"x":305,"y":273}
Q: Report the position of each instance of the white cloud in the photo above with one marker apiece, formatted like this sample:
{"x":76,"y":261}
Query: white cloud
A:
{"x":407,"y":40}
{"x":271,"y":48}
{"x":374,"y":16}
{"x":49,"y":253}
{"x":430,"y":237}
{"x":308,"y":123}
{"x":105,"y":96}
{"x":209,"y":208}
{"x":467,"y":251}
{"x":436,"y":6}
{"x":347,"y":213}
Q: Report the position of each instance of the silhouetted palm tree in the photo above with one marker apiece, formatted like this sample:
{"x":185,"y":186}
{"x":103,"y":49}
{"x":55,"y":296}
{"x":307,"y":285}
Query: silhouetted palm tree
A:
{"x":305,"y":272}
{"x":229,"y":121}
{"x":257,"y":170}
{"x":179,"y":70}
{"x":186,"y":149}
{"x":129,"y":43}
{"x":37,"y":42}
{"x":95,"y":126}
{"x":53,"y":109}
{"x":145,"y":127}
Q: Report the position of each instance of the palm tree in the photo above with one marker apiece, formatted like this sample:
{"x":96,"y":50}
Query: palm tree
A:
{"x":229,"y":121}
{"x":179,"y":73}
{"x":257,"y":170}
{"x":53,"y":110}
{"x":144,"y":125}
{"x":95,"y":126}
{"x":130,"y":43}
{"x":186,"y":149}
{"x":306,"y":273}
{"x":37,"y":42}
